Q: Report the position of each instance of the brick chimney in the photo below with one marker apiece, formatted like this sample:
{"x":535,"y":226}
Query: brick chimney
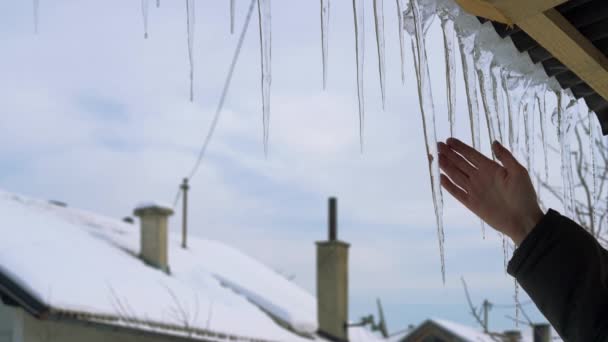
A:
{"x":154,"y":222}
{"x":542,"y":332}
{"x":332,"y":282}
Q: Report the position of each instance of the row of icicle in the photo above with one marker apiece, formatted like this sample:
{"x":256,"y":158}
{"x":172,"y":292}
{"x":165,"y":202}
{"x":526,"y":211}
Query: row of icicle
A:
{"x":509,"y":100}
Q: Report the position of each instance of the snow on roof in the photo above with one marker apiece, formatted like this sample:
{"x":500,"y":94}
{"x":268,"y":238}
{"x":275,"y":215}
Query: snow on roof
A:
{"x":463,"y":331}
{"x":77,"y":261}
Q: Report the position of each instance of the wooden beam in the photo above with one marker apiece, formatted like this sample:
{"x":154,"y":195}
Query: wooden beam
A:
{"x":507,"y":11}
{"x":556,"y":34}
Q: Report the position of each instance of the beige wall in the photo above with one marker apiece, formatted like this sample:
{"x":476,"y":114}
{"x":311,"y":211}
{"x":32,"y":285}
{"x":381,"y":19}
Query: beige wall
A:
{"x":52,"y":331}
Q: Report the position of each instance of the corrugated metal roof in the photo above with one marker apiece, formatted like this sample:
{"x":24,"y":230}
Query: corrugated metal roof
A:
{"x":590,"y":17}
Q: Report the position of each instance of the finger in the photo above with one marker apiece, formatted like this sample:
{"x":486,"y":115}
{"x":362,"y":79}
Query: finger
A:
{"x":505,"y":156}
{"x":468,"y":152}
{"x":453,"y":172}
{"x":454,"y":190}
{"x":456,"y":159}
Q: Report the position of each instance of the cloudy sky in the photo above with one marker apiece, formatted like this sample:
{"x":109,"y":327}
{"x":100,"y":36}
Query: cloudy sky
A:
{"x":94,"y":115}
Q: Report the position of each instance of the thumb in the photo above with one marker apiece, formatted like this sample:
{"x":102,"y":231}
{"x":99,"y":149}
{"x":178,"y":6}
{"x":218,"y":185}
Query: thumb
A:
{"x":505,"y":156}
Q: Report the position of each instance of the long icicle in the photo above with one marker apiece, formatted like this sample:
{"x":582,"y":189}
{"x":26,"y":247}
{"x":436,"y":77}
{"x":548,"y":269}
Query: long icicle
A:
{"x":497,"y":94}
{"x":144,"y":12}
{"x":447,"y":27}
{"x":470,"y":82}
{"x":483,"y":59}
{"x":265,"y":50}
{"x":563,"y":128}
{"x":542,"y":105}
{"x":428,"y":123}
{"x":232,"y":9}
{"x":190,"y":23}
{"x":379,"y":21}
{"x":359,"y":46}
{"x":401,"y":38}
{"x":594,"y":174}
{"x":35,"y":11}
{"x":324,"y":37}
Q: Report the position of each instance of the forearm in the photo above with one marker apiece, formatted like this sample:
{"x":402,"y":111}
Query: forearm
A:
{"x":564,"y":270}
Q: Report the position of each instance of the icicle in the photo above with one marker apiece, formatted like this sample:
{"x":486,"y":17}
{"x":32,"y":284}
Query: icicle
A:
{"x":36,"y":6}
{"x":359,"y":46}
{"x":593,"y":134}
{"x":542,"y":107}
{"x":466,"y":44}
{"x":515,"y":87}
{"x":564,"y":119}
{"x":516,"y":298}
{"x":190,"y":23}
{"x":483,"y":60}
{"x":447,"y":26}
{"x":505,"y":252}
{"x":528,"y":111}
{"x":324,"y":37}
{"x":497,"y":94}
{"x":401,"y":39}
{"x":428,"y":121}
{"x":144,"y":13}
{"x":232,"y":8}
{"x":265,"y":46}
{"x":157,"y":3}
{"x":379,"y":21}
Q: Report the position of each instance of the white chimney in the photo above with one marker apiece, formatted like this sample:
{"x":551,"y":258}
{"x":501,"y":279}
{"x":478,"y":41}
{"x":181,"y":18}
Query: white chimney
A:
{"x":332,"y":282}
{"x":154,"y":223}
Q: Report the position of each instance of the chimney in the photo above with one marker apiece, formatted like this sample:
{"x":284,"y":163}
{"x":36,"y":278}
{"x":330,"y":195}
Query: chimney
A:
{"x":154,"y":222}
{"x":542,"y":332}
{"x":332,"y":282}
{"x":512,"y":336}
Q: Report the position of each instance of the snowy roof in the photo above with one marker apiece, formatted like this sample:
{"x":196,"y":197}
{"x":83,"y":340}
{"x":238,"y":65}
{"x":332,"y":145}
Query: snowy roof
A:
{"x":80,"y":264}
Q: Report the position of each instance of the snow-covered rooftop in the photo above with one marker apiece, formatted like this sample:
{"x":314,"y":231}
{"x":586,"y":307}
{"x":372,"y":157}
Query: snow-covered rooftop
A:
{"x":82,"y":263}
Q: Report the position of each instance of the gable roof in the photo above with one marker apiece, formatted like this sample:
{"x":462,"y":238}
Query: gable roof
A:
{"x":74,"y":264}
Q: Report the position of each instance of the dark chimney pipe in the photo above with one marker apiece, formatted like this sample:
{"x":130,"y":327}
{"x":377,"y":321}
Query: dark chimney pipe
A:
{"x":542,"y":332}
{"x":333,"y":220}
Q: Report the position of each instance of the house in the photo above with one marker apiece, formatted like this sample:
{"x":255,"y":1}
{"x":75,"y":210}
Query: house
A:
{"x":439,"y":330}
{"x":72,"y":275}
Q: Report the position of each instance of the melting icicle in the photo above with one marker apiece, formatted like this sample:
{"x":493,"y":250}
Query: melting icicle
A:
{"x":515,"y":87}
{"x":428,"y":119}
{"x":593,"y":135}
{"x":379,"y":21}
{"x":483,"y":60}
{"x":265,"y":45}
{"x":542,"y":107}
{"x":190,"y":21}
{"x":359,"y":46}
{"x":466,"y":43}
{"x":497,"y":94}
{"x":324,"y":37}
{"x":144,"y":13}
{"x":401,"y":39}
{"x":35,"y":7}
{"x":516,"y":298}
{"x":564,"y":119}
{"x":447,"y":26}
{"x":232,"y":8}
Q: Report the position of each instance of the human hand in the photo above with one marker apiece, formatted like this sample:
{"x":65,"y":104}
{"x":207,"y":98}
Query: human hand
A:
{"x":502,"y":196}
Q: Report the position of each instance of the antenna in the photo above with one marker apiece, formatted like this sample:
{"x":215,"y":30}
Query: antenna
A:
{"x":381,"y":322}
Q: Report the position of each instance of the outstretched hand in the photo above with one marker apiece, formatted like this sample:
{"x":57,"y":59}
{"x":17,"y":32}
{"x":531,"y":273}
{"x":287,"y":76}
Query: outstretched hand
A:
{"x":501,"y":195}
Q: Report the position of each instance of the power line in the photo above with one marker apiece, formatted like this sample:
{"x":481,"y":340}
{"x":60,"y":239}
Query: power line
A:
{"x":220,"y":105}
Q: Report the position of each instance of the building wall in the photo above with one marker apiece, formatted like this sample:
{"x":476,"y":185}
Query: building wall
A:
{"x":6,"y":323}
{"x":53,"y":331}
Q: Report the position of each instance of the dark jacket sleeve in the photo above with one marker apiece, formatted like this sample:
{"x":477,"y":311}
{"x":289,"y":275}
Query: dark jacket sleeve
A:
{"x":564,"y":270}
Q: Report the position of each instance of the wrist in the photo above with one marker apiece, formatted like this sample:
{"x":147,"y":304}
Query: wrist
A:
{"x":524,"y":224}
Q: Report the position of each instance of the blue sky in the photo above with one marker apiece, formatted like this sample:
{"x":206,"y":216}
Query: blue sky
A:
{"x":96,"y":116}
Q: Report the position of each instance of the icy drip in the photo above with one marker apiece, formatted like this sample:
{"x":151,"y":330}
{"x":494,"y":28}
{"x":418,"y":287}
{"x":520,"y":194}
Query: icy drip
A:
{"x":447,"y":27}
{"x":483,"y":60}
{"x":497,"y":94}
{"x":324,"y":37}
{"x":232,"y":8}
{"x":144,"y":13}
{"x":542,"y":107}
{"x":35,"y":7}
{"x":401,"y":39}
{"x":428,"y":118}
{"x":265,"y":45}
{"x":528,"y":112}
{"x":593,"y":140}
{"x":379,"y":21}
{"x":359,"y":46}
{"x":564,"y":118}
{"x":515,"y":87}
{"x":470,"y":82}
{"x":190,"y":31}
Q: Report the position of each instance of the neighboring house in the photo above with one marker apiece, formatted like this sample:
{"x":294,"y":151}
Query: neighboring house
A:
{"x":439,"y":330}
{"x":71,"y":275}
